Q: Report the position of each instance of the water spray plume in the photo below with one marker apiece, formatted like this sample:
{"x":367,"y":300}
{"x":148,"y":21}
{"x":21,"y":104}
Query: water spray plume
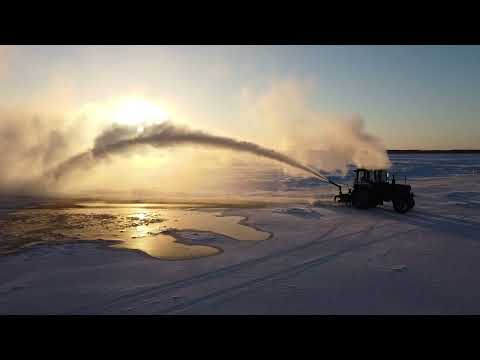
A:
{"x":121,"y":139}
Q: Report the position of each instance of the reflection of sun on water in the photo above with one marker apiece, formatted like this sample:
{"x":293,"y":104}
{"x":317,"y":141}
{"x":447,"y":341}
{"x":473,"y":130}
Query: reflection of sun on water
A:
{"x":134,"y":227}
{"x":140,"y":215}
{"x":141,"y":229}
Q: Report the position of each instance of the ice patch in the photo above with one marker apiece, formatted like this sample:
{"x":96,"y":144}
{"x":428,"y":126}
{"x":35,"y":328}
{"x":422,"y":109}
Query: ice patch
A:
{"x":298,"y":211}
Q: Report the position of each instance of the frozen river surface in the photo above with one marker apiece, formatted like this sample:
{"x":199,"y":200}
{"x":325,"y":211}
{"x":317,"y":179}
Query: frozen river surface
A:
{"x":285,"y":258}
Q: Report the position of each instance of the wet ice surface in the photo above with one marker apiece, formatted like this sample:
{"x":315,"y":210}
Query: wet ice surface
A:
{"x":157,"y":232}
{"x":304,"y":212}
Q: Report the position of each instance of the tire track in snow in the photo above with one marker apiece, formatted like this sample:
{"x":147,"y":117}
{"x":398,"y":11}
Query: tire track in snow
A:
{"x":215,"y":274}
{"x":179,"y":284}
{"x":295,"y":270}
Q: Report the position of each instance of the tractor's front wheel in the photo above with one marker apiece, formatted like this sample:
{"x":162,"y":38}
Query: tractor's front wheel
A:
{"x":360,"y":199}
{"x":401,"y":205}
{"x":411,"y":203}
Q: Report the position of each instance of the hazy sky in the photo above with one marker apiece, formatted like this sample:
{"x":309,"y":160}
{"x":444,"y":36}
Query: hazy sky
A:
{"x":409,"y":96}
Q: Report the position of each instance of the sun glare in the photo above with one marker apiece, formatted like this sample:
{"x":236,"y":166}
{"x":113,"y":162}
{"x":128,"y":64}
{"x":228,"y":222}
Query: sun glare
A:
{"x":130,"y":111}
{"x":138,"y":112}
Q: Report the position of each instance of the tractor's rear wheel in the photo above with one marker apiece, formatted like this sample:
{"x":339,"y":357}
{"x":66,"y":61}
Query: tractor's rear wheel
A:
{"x":360,"y":199}
{"x":401,"y":205}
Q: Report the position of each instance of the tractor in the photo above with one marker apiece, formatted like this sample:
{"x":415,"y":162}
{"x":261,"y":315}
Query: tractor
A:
{"x":374,"y":187}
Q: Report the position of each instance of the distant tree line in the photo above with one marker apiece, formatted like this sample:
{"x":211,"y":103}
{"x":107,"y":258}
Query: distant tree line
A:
{"x":464,"y":151}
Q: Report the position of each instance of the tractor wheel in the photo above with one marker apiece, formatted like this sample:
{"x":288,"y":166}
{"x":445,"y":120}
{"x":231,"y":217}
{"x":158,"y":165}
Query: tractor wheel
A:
{"x":411,"y":203}
{"x":360,"y":199}
{"x":400,"y":206}
{"x":372,"y":202}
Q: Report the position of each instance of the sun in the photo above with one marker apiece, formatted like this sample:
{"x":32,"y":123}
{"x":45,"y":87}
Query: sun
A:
{"x":132,"y":111}
{"x":138,"y":112}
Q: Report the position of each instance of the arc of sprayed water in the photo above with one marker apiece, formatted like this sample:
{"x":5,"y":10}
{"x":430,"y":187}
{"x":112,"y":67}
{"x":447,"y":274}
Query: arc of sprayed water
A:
{"x":117,"y":140}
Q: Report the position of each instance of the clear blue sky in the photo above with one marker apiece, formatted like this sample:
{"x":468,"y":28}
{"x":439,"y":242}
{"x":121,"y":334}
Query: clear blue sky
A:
{"x":410,"y":96}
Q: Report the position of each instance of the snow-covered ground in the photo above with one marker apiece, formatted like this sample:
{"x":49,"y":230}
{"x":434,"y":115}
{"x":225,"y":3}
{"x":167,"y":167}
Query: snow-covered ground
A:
{"x":326,"y":259}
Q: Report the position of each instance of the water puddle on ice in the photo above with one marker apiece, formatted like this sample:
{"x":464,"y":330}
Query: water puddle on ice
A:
{"x":143,"y":228}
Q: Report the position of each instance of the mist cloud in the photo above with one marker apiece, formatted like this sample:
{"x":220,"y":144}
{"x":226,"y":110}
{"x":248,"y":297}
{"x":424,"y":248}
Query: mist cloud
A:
{"x":39,"y":153}
{"x":284,"y":119}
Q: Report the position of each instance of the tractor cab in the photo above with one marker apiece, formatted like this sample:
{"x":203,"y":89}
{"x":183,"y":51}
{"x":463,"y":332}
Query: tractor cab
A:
{"x":365,"y":176}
